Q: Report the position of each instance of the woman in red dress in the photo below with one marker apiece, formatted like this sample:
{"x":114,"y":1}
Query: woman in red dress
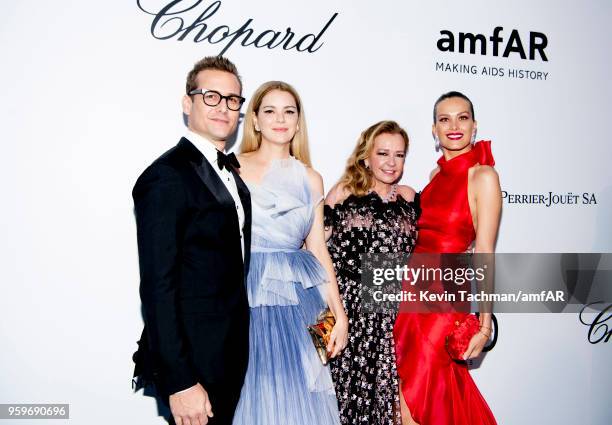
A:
{"x":461,"y":208}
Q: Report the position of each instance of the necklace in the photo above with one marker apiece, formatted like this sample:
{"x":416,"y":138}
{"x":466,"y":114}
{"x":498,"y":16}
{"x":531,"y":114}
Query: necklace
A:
{"x":390,"y":196}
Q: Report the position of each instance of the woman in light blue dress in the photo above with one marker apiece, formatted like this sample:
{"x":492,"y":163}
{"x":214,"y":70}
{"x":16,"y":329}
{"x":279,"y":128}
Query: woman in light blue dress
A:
{"x":291,"y":277}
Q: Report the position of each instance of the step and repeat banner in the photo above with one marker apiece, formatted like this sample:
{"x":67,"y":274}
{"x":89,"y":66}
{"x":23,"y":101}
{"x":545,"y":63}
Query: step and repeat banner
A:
{"x":91,"y":94}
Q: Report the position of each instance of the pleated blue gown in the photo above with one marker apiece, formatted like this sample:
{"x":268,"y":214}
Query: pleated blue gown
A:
{"x":285,"y":384}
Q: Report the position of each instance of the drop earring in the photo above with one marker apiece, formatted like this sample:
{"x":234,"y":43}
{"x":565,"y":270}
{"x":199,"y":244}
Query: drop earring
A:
{"x":473,"y":137}
{"x":437,"y":143}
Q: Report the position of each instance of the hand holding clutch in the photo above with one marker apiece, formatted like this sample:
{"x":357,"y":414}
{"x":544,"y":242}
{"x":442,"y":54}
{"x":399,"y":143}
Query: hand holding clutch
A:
{"x":458,"y":341}
{"x":339,"y":335}
{"x":320,"y":333}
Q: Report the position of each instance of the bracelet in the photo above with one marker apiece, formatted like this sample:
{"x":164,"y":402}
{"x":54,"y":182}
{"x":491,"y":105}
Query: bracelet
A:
{"x":488,"y":336}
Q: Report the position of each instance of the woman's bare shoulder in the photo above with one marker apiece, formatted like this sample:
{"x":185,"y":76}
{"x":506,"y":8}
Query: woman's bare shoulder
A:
{"x":484,"y":175}
{"x":337,"y":194}
{"x":406,"y":192}
{"x":433,"y":173}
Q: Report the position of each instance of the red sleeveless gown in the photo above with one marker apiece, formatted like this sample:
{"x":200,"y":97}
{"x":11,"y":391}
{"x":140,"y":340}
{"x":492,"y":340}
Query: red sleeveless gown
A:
{"x":437,"y":390}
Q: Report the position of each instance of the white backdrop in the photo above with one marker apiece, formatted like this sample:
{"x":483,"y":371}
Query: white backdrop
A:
{"x":90,"y":97}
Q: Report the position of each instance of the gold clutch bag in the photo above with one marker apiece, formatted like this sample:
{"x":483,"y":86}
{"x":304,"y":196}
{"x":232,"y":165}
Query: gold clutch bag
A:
{"x":320,"y":333}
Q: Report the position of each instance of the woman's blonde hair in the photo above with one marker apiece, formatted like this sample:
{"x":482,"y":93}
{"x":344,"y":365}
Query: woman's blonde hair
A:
{"x":357,"y":178}
{"x":251,"y":139}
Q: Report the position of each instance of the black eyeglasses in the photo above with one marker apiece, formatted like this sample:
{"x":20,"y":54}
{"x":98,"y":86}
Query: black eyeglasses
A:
{"x":213,"y":98}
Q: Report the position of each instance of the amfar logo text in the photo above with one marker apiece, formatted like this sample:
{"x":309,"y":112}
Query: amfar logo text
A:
{"x":495,"y":44}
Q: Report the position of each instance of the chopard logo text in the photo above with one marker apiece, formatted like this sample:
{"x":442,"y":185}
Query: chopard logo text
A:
{"x":179,"y":20}
{"x":598,"y":329}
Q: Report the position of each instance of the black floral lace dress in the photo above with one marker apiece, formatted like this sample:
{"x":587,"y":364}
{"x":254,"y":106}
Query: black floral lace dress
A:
{"x":365,"y":374}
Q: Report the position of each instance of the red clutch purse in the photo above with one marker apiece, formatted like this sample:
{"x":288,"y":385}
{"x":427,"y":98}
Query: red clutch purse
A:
{"x":458,"y":340}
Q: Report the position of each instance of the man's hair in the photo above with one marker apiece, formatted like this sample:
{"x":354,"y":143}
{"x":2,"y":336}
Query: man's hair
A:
{"x":217,"y":63}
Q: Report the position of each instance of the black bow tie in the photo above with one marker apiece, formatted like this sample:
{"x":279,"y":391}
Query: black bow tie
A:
{"x":227,"y":161}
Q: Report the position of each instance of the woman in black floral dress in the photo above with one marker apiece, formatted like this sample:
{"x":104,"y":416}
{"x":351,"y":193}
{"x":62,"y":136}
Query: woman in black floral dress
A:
{"x":368,"y":212}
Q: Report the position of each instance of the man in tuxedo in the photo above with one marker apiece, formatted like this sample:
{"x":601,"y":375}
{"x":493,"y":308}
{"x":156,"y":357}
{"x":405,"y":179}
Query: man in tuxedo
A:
{"x":193,"y":218}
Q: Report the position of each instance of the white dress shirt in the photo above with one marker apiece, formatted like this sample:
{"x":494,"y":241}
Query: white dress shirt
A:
{"x":208,"y":149}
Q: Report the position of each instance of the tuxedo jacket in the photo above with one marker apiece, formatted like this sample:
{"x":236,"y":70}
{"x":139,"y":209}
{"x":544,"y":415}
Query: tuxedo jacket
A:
{"x":192,"y":273}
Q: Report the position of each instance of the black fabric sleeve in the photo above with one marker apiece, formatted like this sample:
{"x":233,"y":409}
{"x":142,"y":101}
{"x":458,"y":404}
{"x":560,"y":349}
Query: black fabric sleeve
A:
{"x":417,"y":205}
{"x":159,"y":201}
{"x":328,"y":218}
